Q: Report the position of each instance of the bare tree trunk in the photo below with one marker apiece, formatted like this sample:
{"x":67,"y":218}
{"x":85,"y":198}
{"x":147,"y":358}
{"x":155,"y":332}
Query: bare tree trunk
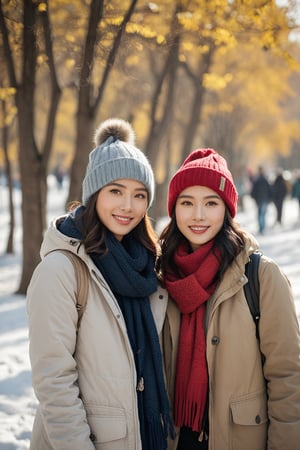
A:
{"x":162,"y":188}
{"x":32,"y":169}
{"x":167,"y":78}
{"x":32,"y":161}
{"x":87,"y":105}
{"x":197,"y":104}
{"x":10,"y":239}
{"x":33,"y":182}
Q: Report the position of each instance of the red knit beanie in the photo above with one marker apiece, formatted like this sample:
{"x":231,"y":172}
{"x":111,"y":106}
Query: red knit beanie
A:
{"x":204,"y":167}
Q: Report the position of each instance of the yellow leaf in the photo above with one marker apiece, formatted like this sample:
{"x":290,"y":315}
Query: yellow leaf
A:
{"x":42,"y":7}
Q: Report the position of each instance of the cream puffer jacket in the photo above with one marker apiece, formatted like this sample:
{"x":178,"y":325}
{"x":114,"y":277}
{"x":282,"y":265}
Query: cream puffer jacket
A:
{"x":86,"y":386}
{"x":245,"y":411}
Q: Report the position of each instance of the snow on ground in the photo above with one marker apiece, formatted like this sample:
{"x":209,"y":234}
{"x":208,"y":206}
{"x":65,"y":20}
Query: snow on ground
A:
{"x":17,"y":400}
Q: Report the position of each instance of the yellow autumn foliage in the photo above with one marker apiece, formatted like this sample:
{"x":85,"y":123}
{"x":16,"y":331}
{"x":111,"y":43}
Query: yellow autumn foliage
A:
{"x":242,"y":35}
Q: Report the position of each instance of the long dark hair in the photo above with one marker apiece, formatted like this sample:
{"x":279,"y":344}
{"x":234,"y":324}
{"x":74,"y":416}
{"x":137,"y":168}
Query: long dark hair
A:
{"x":94,"y":232}
{"x":229,"y":242}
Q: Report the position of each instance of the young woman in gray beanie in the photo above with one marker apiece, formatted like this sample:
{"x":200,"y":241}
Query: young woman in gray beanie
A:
{"x":103,"y":386}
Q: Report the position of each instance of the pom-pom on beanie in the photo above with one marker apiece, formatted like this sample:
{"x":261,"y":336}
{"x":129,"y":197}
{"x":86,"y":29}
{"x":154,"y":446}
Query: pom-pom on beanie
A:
{"x":204,"y":167}
{"x":115,"y":157}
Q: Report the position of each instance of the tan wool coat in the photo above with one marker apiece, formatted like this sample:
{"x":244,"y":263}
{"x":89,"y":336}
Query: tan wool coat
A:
{"x":85,"y":386}
{"x":250,"y":407}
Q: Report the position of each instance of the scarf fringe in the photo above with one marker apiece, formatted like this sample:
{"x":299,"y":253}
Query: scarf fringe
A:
{"x":189,"y":407}
{"x":168,"y":426}
{"x":158,"y":433}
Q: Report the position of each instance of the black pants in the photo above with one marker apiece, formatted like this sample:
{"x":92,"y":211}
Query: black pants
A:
{"x":278,"y":205}
{"x":188,"y":440}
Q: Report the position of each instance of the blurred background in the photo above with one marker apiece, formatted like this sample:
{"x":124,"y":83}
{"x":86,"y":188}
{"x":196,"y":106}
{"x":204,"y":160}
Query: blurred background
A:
{"x":186,"y":74}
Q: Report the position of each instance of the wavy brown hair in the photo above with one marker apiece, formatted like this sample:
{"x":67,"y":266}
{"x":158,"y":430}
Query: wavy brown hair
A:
{"x":229,"y":242}
{"x":94,"y":231}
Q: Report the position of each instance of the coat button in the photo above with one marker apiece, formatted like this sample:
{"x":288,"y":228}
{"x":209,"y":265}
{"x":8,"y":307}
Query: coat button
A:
{"x":92,"y":437}
{"x":215,"y":340}
{"x":257,"y":419}
{"x":160,"y":296}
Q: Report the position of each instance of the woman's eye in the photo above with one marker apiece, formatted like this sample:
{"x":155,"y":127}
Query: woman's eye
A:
{"x":186,"y":203}
{"x":142,"y":196}
{"x":212,"y":203}
{"x":115,"y":191}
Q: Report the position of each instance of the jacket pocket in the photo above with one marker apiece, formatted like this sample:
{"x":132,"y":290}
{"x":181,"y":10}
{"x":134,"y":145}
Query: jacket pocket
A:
{"x":249,"y":427}
{"x":108,"y":427}
{"x":250,"y":409}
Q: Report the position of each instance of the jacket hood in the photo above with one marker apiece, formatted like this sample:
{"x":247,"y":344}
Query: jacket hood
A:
{"x":251,"y":245}
{"x":234,"y":276}
{"x":54,"y":239}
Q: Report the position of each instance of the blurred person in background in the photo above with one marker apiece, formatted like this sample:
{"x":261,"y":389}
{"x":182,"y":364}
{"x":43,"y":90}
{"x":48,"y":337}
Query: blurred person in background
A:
{"x":279,"y":193}
{"x":262,"y":194}
{"x":296,"y":190}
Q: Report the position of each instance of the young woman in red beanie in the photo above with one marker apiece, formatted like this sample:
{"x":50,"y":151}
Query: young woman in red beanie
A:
{"x":231,"y":391}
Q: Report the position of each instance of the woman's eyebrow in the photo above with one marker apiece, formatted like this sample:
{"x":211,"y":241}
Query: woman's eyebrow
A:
{"x":206,"y":197}
{"x":142,"y":188}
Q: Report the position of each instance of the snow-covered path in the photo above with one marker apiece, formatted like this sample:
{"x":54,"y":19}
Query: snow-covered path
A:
{"x":17,"y":401}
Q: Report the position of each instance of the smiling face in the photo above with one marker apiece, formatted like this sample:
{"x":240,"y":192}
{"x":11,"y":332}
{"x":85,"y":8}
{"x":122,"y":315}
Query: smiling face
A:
{"x":121,"y":205}
{"x":200,"y":213}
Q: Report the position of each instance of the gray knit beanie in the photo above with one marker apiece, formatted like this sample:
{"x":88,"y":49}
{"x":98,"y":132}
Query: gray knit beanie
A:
{"x":115,"y":157}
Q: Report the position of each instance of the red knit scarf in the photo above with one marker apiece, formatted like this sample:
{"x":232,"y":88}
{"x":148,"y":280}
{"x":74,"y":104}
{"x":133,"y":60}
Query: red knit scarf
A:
{"x":191,"y":292}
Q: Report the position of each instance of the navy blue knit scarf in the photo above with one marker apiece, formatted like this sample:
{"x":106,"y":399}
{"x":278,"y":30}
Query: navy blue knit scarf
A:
{"x":128,"y":268}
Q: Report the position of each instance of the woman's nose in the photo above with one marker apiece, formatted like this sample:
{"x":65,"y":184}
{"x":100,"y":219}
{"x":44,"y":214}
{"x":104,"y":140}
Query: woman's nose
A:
{"x":127,"y":203}
{"x":199,"y":213}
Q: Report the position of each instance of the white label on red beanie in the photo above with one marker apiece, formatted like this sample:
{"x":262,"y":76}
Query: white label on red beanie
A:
{"x":222,"y":184}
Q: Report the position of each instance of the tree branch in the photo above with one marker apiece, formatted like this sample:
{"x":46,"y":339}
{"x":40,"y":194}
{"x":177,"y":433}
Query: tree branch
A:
{"x":55,"y":88}
{"x":7,"y":50}
{"x":113,"y":53}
